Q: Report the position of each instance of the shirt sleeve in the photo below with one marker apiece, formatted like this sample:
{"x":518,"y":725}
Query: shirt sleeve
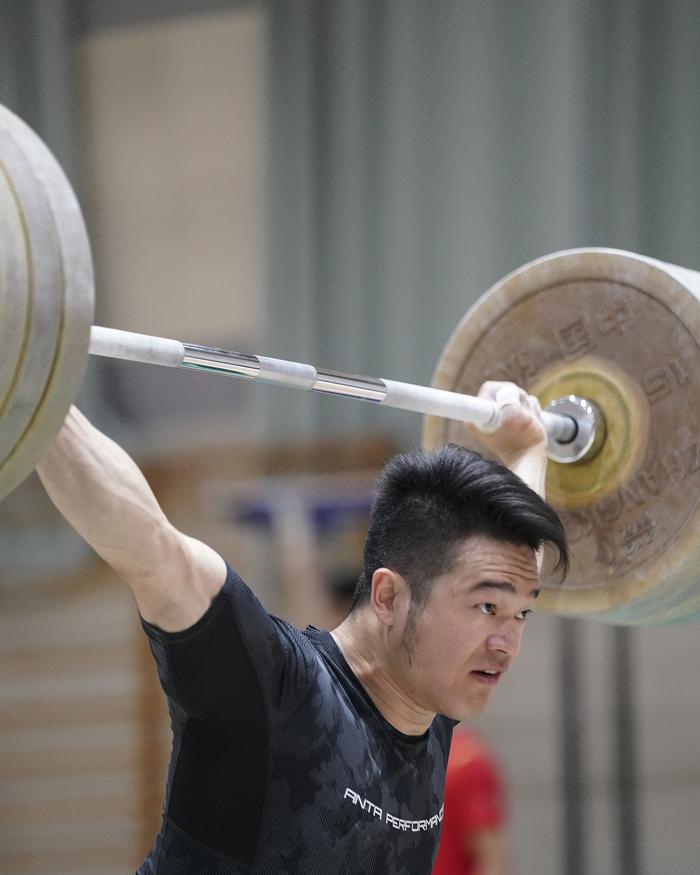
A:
{"x":235,"y":653}
{"x":227,"y":678}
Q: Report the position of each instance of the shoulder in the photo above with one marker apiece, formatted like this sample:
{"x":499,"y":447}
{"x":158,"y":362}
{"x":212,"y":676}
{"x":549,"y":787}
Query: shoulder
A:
{"x":303,"y":661}
{"x":441,"y":730}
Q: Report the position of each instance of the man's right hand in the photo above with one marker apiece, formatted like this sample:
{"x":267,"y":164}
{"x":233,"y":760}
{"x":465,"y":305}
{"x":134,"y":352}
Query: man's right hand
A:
{"x":520,"y":441}
{"x":520,"y":430}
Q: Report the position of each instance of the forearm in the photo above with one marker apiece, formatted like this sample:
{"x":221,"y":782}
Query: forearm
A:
{"x":520,"y":441}
{"x":531,"y":467}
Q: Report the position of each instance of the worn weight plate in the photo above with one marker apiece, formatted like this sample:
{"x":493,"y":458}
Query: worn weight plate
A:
{"x":75,"y":293}
{"x":624,"y":331}
{"x":15,"y":298}
{"x":40,"y":278}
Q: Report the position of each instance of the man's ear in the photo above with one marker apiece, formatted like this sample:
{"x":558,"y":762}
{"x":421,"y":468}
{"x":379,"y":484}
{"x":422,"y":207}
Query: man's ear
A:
{"x":388,"y":591}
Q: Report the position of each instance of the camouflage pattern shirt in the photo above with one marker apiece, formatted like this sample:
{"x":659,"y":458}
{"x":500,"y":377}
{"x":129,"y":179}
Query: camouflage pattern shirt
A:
{"x":281,"y":763}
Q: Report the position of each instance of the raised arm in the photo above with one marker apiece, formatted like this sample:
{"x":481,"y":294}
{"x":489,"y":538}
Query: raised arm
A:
{"x":521,"y":441}
{"x":103,"y":495}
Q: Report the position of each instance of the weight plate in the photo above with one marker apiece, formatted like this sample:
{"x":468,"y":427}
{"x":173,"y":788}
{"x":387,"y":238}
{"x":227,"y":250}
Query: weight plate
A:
{"x":75,"y":295}
{"x":42,"y":280}
{"x":14,"y":292}
{"x":623,"y":331}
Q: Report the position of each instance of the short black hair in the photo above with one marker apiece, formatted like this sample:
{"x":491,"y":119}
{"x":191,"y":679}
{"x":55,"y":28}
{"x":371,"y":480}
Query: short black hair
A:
{"x":427,"y":503}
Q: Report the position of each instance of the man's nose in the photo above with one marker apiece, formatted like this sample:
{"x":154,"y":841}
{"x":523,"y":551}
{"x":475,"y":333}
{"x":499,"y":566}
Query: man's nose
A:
{"x":506,"y":639}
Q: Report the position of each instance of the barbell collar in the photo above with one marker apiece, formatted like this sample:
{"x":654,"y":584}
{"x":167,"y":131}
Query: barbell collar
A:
{"x":590,"y":430}
{"x":480,"y":412}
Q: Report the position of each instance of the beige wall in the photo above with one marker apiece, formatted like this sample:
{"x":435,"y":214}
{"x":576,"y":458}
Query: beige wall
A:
{"x":174,"y":140}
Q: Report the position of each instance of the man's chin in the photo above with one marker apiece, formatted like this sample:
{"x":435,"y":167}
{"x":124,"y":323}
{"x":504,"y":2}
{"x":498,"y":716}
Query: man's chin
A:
{"x":463,"y":711}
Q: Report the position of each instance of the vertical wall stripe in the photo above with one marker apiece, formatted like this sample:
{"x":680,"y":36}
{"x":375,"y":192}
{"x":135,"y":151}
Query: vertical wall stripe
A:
{"x":572,"y":723}
{"x":625,"y":766}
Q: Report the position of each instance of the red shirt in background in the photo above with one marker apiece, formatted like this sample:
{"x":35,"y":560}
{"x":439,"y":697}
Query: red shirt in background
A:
{"x":474,"y":802}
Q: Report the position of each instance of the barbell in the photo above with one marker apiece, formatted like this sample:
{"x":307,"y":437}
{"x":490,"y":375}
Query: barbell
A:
{"x":609,"y":341}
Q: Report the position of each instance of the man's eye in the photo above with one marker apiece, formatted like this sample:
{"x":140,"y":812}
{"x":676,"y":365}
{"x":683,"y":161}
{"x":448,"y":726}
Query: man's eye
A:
{"x":487,"y":608}
{"x":523,"y":615}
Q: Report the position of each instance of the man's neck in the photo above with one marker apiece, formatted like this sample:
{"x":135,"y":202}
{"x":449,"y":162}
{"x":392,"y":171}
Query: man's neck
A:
{"x":366,"y":652}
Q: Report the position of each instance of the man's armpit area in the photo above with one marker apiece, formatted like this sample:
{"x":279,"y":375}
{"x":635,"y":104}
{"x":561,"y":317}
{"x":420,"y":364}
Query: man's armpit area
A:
{"x":183,"y":588}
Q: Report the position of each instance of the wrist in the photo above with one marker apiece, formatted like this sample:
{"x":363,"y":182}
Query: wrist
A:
{"x":531,"y":466}
{"x":535,"y":455}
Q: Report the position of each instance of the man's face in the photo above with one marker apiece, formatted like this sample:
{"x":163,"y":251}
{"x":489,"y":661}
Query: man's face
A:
{"x":453,"y":650}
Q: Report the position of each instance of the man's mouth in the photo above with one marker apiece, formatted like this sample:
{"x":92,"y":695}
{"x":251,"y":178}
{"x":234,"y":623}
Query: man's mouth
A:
{"x":487,"y":676}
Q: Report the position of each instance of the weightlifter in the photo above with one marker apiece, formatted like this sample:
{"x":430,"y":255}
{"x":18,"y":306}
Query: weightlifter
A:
{"x":325,"y":752}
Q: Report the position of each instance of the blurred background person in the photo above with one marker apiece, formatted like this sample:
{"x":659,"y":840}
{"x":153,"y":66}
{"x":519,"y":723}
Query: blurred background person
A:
{"x":473,"y":839}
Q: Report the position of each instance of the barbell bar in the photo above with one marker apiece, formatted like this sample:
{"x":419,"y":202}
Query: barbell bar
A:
{"x":481,"y":412}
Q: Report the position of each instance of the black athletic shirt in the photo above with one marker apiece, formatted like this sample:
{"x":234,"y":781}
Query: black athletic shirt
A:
{"x":281,"y":763}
